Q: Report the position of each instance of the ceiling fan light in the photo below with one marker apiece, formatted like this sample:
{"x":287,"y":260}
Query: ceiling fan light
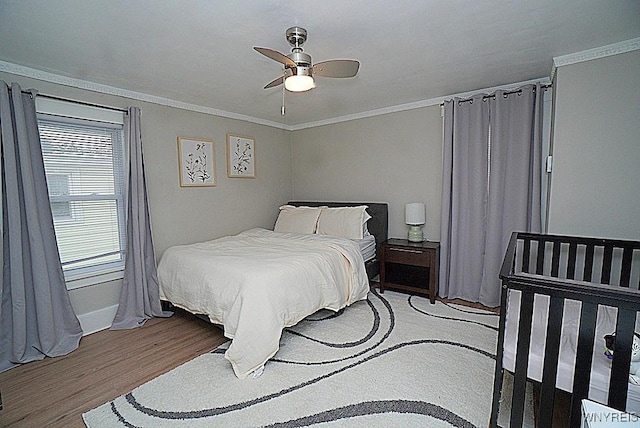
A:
{"x":299,"y":83}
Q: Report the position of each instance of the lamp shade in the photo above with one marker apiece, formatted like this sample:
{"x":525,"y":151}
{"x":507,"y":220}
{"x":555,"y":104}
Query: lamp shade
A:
{"x":414,"y":213}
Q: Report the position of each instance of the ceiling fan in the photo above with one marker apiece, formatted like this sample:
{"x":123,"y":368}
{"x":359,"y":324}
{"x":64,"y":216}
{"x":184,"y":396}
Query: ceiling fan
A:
{"x":299,"y":71}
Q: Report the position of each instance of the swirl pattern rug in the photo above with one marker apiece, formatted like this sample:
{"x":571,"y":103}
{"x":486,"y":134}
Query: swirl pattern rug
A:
{"x":394,"y":360}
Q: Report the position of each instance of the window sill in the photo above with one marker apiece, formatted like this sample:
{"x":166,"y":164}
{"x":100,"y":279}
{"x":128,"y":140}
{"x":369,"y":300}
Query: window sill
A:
{"x":93,"y":278}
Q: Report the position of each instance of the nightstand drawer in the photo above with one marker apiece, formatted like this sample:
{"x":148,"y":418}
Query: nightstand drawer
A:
{"x":407,"y":256}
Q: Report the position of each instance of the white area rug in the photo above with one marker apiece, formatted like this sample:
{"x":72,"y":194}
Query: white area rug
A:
{"x":394,"y":361}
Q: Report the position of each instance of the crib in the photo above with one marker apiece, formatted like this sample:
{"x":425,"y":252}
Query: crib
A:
{"x":560,"y":295}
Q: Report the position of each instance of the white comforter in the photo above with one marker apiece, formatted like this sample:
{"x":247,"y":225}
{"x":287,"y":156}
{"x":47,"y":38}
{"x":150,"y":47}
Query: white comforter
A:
{"x":258,"y":282}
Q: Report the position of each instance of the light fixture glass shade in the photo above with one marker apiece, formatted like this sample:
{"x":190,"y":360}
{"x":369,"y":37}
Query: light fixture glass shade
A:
{"x":297,"y":83}
{"x":414,"y":213}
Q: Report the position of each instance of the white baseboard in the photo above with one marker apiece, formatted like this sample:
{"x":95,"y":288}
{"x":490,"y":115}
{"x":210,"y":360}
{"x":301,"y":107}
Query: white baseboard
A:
{"x":101,"y":319}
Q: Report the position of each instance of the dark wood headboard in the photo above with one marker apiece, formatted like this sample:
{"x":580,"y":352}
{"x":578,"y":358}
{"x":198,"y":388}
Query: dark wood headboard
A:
{"x":378,"y":225}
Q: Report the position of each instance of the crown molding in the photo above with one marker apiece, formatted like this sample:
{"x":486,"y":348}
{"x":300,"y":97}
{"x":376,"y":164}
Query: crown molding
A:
{"x":138,"y":96}
{"x":587,"y":55}
{"x":418,"y":104}
{"x":595,"y":53}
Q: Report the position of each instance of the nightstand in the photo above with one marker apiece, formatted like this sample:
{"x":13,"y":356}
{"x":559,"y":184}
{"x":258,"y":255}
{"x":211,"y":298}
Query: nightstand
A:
{"x":410,"y":266}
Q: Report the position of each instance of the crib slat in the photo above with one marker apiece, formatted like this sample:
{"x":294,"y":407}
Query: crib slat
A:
{"x":571,"y":261}
{"x":522,"y":359}
{"x":605,"y":278}
{"x":552,"y":350}
{"x":621,"y":359}
{"x":499,"y":370}
{"x":540,"y":257}
{"x":555,"y":259}
{"x":526,"y":254}
{"x":588,"y":263}
{"x":625,"y":275}
{"x":584,"y":357}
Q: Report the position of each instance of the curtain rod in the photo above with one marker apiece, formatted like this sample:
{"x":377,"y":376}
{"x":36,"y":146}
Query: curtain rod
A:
{"x":486,"y":97}
{"x":54,"y":97}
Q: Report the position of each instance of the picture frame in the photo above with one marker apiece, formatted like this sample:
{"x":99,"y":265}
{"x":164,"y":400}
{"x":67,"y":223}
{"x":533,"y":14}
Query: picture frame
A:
{"x":241,"y":156}
{"x":197,"y":162}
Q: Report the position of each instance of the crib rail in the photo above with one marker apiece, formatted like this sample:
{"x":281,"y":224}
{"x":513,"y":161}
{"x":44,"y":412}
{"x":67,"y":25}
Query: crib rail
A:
{"x":564,"y":267}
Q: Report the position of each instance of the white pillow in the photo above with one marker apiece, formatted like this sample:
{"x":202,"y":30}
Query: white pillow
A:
{"x":347,"y":222}
{"x":297,"y":219}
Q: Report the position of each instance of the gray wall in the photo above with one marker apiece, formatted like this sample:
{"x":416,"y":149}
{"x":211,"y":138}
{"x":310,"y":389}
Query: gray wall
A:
{"x":397,"y":158}
{"x":183,"y":215}
{"x":595,"y":183}
{"x":394,"y":158}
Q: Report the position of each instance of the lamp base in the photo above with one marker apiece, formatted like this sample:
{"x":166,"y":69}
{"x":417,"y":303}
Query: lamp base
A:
{"x":415,"y":234}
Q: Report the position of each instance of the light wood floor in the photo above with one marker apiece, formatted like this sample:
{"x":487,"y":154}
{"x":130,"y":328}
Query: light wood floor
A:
{"x":469,"y":304}
{"x":55,"y":392}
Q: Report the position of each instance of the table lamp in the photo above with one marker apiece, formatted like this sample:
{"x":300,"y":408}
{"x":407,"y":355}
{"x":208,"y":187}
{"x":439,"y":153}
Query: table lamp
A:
{"x":414,"y":214}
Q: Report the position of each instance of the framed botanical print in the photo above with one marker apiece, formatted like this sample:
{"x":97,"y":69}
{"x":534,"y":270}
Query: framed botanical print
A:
{"x":241,"y":156}
{"x":197,"y":161}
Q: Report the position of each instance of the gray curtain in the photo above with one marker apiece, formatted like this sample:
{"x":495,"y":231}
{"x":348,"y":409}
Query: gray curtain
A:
{"x":139,"y":298}
{"x":37,"y":317}
{"x":491,"y":187}
{"x":464,"y":199}
{"x":515,"y":179}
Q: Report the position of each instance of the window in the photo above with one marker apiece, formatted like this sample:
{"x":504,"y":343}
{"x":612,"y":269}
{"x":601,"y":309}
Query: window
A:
{"x":84,"y":165}
{"x":58,"y":185}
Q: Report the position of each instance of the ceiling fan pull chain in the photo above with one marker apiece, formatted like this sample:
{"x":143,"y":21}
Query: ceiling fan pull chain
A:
{"x":282,"y":109}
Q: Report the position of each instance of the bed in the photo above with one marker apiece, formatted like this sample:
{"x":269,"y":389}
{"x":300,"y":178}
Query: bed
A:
{"x":560,"y":296}
{"x":378,"y":226}
{"x":260,"y":281}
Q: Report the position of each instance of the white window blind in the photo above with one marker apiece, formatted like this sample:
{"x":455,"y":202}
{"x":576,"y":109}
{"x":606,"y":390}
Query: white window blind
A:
{"x":84,"y":165}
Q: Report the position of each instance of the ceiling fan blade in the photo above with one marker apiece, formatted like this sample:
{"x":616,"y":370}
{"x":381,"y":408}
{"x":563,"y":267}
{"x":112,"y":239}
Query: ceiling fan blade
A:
{"x":276,"y":56}
{"x":336,"y":68}
{"x":275,"y":82}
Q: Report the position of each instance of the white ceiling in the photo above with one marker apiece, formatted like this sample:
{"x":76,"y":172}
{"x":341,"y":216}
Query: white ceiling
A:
{"x":200,"y":52}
